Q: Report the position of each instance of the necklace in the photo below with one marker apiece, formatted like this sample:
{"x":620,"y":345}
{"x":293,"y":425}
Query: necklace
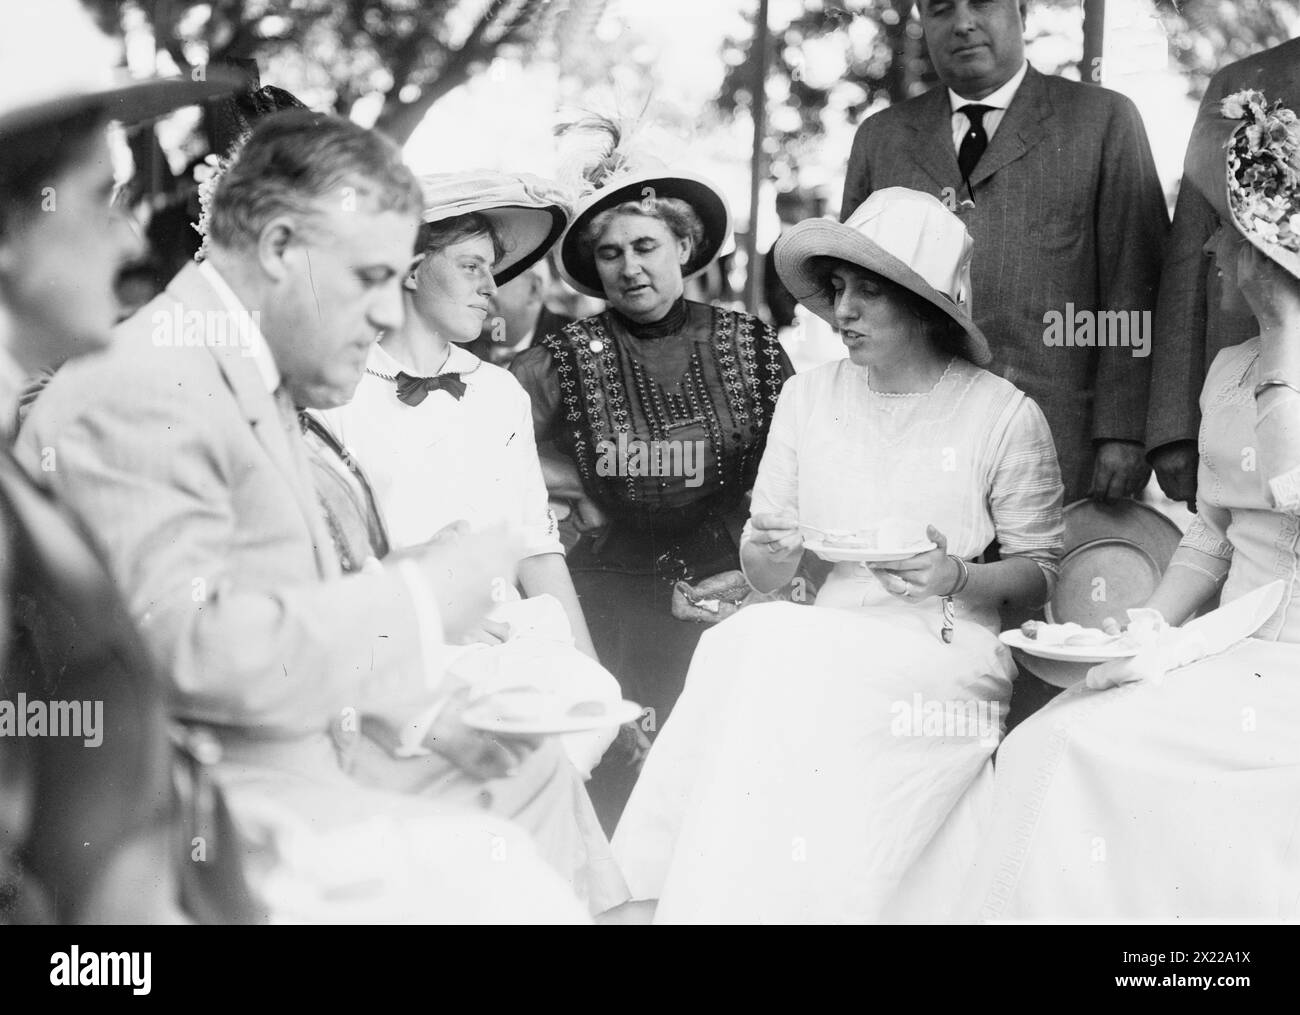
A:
{"x":393,"y":377}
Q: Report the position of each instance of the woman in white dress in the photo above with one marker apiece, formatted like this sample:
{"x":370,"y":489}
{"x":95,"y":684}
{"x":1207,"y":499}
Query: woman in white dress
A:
{"x":1168,"y":786}
{"x":445,"y":438}
{"x":832,"y":763}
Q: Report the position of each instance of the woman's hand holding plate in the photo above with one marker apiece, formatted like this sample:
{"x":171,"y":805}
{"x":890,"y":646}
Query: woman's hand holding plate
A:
{"x":929,"y":573}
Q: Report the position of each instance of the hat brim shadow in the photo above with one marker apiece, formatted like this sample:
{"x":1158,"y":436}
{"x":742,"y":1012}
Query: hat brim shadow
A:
{"x":526,"y":233}
{"x":130,"y":101}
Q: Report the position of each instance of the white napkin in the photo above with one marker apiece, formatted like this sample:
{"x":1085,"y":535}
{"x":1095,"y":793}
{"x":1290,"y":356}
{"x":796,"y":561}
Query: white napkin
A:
{"x":1197,"y":639}
{"x":537,"y":617}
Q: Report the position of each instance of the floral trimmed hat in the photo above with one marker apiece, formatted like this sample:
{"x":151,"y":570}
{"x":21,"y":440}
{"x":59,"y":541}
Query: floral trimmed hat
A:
{"x":1246,"y":161}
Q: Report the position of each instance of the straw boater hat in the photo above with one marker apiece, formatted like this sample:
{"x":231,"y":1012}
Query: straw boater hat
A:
{"x":528,"y":212}
{"x":903,"y":235}
{"x":622,"y":174}
{"x":54,"y":63}
{"x":1244,"y":157}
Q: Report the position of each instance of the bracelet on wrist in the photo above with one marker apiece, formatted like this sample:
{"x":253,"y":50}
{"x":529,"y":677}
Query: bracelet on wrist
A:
{"x":963,"y":576}
{"x":949,"y":610}
{"x":1275,"y":382}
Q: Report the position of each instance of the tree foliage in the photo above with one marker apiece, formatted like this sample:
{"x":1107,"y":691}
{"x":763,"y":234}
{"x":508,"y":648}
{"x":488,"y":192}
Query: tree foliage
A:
{"x":1205,"y":35}
{"x":842,"y":58}
{"x":409,"y":52}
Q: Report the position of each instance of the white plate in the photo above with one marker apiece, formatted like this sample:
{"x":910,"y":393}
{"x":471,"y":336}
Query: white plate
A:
{"x":1067,"y":653}
{"x":863,"y":554}
{"x":485,"y":715}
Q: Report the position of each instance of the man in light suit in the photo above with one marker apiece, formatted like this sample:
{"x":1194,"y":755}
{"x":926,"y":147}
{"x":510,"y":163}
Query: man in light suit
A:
{"x":1191,"y":326}
{"x":1056,"y":184}
{"x":181,"y":449}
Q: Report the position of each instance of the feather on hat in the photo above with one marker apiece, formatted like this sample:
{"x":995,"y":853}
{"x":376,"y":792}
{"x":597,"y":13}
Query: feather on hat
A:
{"x":620,"y":169}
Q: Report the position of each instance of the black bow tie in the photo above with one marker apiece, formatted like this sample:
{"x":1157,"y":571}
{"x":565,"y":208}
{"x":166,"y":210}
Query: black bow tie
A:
{"x":414,"y":390}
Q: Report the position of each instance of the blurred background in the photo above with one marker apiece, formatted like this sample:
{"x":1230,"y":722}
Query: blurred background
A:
{"x":760,"y":95}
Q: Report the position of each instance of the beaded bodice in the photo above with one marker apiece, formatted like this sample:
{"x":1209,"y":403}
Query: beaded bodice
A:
{"x":651,"y":437}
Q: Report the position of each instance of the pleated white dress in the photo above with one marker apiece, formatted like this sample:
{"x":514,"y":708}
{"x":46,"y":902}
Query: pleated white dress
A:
{"x":832,"y":763}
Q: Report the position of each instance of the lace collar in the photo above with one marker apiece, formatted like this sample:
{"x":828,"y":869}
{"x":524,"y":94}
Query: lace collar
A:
{"x":913,"y":394}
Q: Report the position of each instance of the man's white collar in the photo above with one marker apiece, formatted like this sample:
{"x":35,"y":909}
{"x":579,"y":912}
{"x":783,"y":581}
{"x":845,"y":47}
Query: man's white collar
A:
{"x":258,"y":350}
{"x":999,"y":99}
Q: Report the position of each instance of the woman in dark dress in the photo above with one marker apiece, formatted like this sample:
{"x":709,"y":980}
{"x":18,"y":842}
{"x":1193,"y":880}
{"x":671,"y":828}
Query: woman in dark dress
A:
{"x":651,"y":418}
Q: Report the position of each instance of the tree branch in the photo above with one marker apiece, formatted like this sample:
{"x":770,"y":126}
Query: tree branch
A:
{"x":399,"y":119}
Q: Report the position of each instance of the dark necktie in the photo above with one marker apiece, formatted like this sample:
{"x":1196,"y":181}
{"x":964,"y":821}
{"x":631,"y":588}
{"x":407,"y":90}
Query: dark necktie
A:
{"x":351,"y":511}
{"x":975,"y":141}
{"x":414,"y":390}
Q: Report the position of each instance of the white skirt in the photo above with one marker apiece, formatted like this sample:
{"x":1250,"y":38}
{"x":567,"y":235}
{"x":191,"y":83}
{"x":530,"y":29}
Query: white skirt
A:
{"x":823,"y":765}
{"x":1176,"y":800}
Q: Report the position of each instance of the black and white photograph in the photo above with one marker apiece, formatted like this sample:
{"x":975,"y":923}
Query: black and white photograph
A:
{"x":651,"y":462}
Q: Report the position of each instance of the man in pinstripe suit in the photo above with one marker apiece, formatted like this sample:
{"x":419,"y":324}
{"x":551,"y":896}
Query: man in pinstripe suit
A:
{"x":1056,"y":184}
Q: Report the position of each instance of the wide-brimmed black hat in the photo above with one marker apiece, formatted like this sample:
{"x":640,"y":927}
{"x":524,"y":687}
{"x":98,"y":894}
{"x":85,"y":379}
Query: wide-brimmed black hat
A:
{"x":577,"y":260}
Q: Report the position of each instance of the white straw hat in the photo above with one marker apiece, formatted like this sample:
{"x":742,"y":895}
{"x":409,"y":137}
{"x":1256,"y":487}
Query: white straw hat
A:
{"x":528,"y":212}
{"x":904,"y":235}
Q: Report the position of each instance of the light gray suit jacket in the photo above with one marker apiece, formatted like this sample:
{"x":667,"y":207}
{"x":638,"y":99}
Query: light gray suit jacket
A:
{"x":178,"y":461}
{"x":1068,"y":209}
{"x":1191,"y":329}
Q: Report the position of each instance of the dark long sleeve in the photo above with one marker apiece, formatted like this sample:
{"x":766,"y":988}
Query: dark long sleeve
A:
{"x":1132,"y":226}
{"x":1190,"y":328}
{"x":857,"y":180}
{"x":535,"y":370}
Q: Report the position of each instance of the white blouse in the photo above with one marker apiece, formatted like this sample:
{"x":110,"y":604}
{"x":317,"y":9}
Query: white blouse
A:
{"x":972,"y":456}
{"x":1247,"y":515}
{"x":446,"y":460}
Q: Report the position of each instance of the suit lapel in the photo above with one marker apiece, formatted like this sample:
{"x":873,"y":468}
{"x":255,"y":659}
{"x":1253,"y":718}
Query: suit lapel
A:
{"x":934,"y":120}
{"x":1021,"y":128}
{"x":258,"y":406}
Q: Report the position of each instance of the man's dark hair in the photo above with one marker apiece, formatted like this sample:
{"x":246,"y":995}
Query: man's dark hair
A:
{"x":1022,"y":4}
